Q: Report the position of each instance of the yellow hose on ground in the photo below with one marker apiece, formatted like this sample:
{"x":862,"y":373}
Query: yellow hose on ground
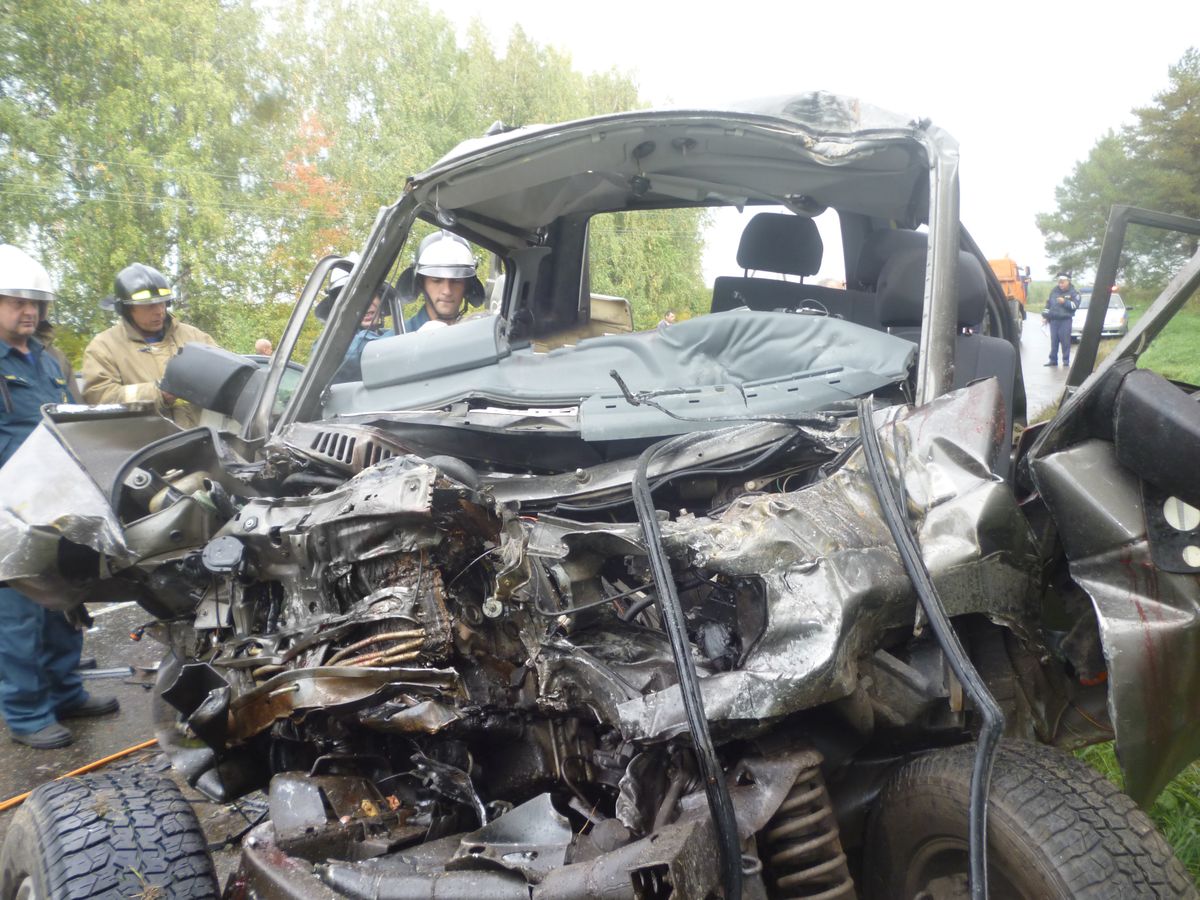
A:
{"x":82,"y":770}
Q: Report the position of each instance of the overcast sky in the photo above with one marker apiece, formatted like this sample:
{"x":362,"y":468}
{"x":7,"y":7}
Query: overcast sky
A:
{"x":1027,"y":89}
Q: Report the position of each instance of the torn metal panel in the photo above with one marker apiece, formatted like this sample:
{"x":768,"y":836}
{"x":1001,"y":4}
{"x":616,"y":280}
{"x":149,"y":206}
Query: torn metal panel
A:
{"x":1149,"y":618}
{"x":46,"y":497}
{"x":532,"y":839}
{"x":832,"y":579}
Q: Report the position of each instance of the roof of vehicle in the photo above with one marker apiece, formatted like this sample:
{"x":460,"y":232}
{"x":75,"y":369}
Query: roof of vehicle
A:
{"x":816,"y":110}
{"x":805,"y":151}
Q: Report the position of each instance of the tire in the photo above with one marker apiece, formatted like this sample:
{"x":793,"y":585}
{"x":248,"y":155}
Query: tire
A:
{"x":105,"y":835}
{"x":1056,"y":828}
{"x":1018,"y":314}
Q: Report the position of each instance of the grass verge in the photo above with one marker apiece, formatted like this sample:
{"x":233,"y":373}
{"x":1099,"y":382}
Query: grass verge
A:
{"x":1175,"y":352}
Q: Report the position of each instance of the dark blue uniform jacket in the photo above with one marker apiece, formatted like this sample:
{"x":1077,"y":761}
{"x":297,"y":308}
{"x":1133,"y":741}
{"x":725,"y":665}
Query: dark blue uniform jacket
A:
{"x":27,"y":382}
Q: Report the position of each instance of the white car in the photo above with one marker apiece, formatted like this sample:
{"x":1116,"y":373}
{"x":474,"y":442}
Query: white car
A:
{"x":1116,"y":318}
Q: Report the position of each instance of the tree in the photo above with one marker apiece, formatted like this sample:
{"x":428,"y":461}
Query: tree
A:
{"x":323,"y":201}
{"x":1073,"y":233}
{"x":1153,"y":163}
{"x":231,"y":143}
{"x":404,"y":93}
{"x":128,"y":131}
{"x":652,"y":258}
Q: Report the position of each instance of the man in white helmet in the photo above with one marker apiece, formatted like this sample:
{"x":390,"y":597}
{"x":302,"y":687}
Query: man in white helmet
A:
{"x":445,"y":277}
{"x":39,"y":648}
{"x":371,"y":326}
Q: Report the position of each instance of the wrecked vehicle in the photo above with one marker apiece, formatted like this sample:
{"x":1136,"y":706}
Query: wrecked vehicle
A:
{"x":543,"y":606}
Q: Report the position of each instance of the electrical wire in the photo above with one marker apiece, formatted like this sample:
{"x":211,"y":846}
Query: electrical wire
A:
{"x":992,"y":727}
{"x":716,"y":791}
{"x":263,"y":210}
{"x":467,"y":567}
{"x":571,"y":610}
{"x":776,"y":447}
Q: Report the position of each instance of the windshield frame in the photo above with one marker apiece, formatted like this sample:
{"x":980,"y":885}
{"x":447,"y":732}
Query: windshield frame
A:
{"x":939,"y":318}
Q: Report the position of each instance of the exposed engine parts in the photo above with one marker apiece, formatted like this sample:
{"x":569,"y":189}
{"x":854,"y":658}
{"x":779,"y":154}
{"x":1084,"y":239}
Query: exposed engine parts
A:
{"x":440,"y":673}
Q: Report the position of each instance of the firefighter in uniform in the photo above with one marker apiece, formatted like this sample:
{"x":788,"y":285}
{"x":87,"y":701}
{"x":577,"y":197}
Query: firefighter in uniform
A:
{"x":125,"y":363}
{"x":39,"y":648}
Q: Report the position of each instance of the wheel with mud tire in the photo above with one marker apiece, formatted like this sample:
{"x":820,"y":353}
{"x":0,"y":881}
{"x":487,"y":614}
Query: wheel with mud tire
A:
{"x":106,"y":835}
{"x":1056,"y":828}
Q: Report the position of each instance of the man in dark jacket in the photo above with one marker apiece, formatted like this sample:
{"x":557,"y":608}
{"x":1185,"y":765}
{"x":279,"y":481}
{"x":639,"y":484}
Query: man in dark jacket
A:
{"x":45,"y":334}
{"x":1060,"y":309}
{"x":39,"y":648}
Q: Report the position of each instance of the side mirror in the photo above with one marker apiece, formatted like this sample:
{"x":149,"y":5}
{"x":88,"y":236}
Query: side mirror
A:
{"x":209,"y":377}
{"x":1156,"y":429}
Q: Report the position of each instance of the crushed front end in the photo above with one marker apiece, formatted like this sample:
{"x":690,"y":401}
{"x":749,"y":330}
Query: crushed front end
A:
{"x":447,"y":677}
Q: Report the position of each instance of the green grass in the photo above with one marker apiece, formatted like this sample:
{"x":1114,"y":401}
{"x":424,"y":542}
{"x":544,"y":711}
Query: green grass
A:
{"x":1175,"y":353}
{"x":1176,"y":812}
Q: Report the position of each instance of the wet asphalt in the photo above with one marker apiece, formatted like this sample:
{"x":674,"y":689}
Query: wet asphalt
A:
{"x":109,"y":642}
{"x":125,"y":669}
{"x":1043,"y":384}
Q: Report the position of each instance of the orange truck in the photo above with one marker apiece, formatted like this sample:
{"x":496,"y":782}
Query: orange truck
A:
{"x":1015,"y":281}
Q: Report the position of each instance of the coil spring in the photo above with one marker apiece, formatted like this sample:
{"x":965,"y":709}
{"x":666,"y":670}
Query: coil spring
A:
{"x":803,"y":850}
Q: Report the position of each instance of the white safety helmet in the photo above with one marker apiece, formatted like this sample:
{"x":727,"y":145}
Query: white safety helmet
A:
{"x":341,"y":273}
{"x":23,"y":277}
{"x":445,"y":255}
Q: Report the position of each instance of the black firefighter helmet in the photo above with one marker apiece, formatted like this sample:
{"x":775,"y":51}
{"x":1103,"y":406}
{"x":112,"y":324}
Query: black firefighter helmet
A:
{"x":138,"y":285}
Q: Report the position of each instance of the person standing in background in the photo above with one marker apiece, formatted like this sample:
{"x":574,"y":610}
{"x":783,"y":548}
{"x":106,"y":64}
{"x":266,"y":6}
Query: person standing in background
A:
{"x":45,"y":334}
{"x":1060,"y":309}
{"x":125,"y":363}
{"x":39,"y":648}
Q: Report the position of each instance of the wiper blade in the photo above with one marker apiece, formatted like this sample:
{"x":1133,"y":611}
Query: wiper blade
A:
{"x":819,"y":421}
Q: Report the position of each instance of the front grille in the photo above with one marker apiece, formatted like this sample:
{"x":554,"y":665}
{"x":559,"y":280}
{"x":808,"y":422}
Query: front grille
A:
{"x":350,"y":447}
{"x":375,"y":453}
{"x":335,"y":445}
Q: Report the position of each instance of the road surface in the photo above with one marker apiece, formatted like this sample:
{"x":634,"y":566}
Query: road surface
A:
{"x":1043,"y":384}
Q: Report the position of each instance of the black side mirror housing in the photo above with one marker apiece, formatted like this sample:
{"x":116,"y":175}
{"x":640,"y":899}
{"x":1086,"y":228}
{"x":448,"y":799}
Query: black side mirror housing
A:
{"x":1156,"y":432}
{"x":209,"y":377}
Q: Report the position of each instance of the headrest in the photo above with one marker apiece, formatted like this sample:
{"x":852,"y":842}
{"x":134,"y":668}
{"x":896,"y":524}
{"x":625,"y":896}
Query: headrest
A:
{"x":880,"y":246}
{"x":902,"y":289}
{"x":777,"y":242}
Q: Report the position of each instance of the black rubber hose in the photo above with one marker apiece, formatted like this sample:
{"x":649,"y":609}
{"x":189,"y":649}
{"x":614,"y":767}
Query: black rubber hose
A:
{"x":993,"y":719}
{"x":636,"y":608}
{"x":719,"y":802}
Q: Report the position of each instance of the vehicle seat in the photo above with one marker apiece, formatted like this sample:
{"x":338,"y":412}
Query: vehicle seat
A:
{"x":880,"y":246}
{"x":901,"y":289}
{"x":784,"y":244}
